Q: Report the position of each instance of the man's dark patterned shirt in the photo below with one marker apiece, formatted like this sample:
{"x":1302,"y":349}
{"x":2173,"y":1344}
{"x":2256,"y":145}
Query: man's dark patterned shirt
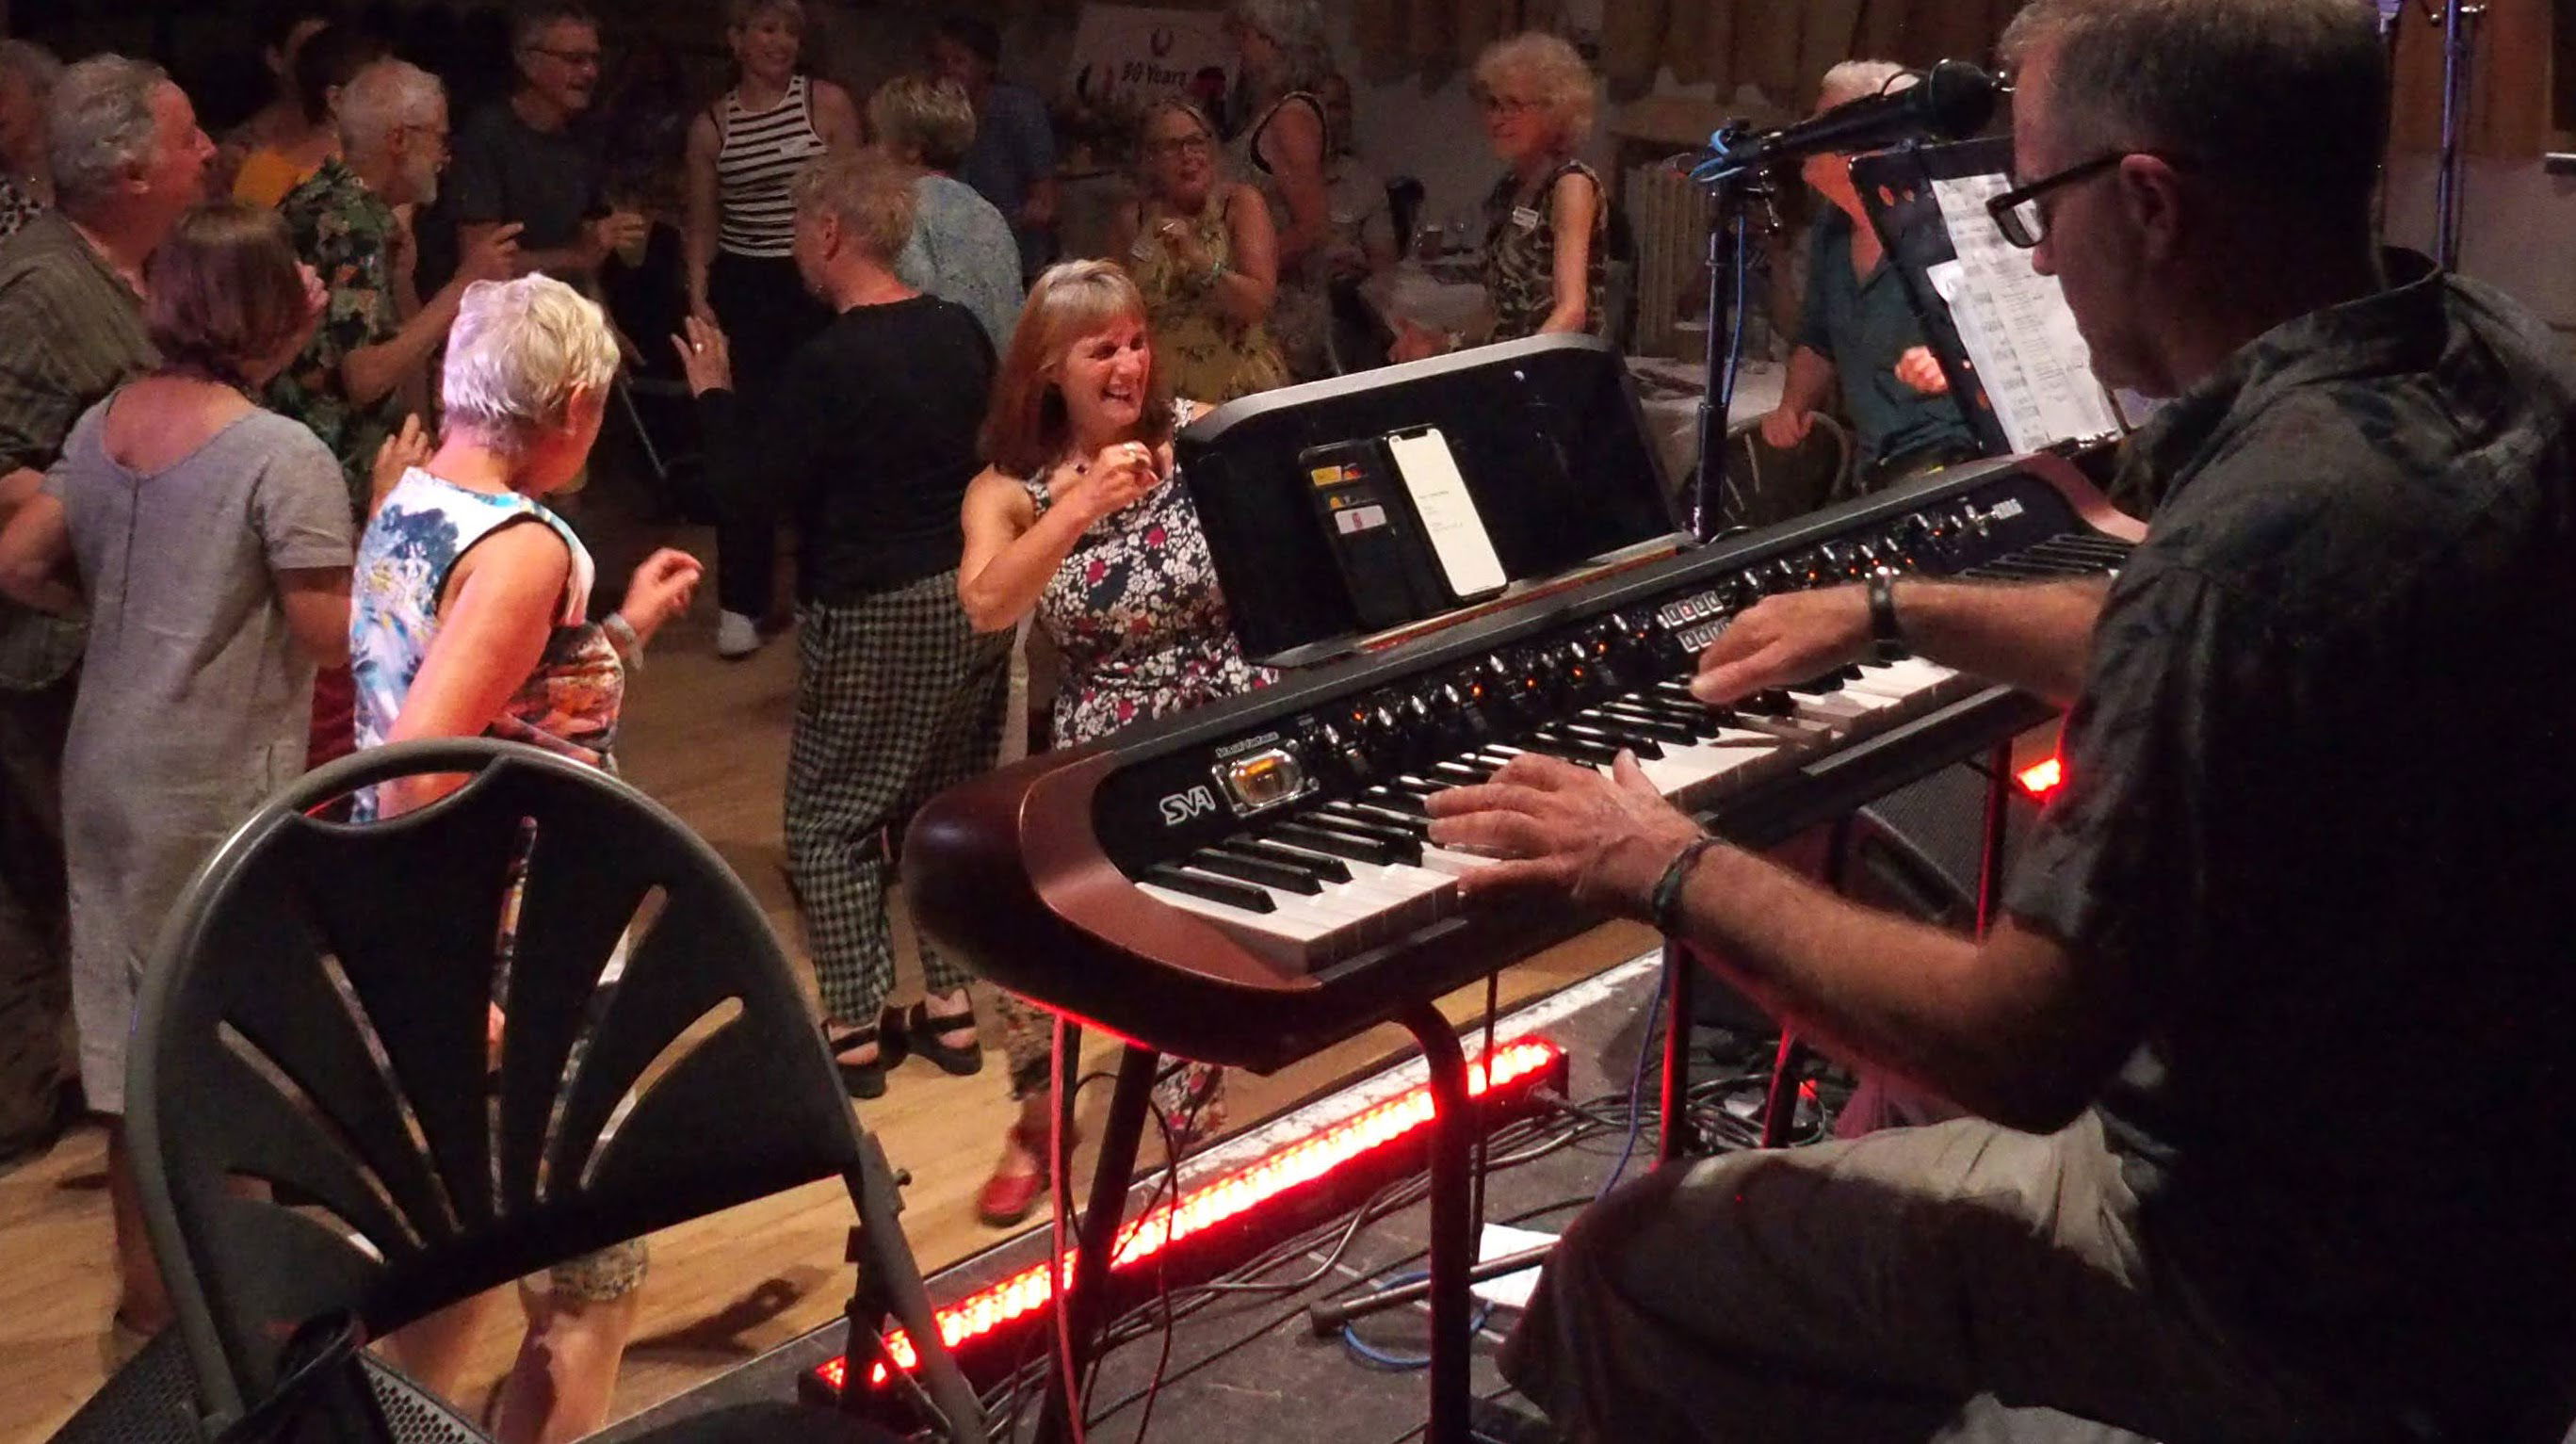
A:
{"x":71,"y":331}
{"x":2321,"y":804}
{"x":347,"y":236}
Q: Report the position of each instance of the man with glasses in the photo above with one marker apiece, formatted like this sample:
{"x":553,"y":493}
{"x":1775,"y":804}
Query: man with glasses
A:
{"x":2266,"y":1048}
{"x":366,"y":366}
{"x":1857,"y":329}
{"x":530,"y":161}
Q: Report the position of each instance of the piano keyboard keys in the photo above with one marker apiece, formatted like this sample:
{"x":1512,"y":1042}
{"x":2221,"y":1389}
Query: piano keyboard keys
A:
{"x":1340,"y":875}
{"x":1277,"y":876}
{"x":1242,"y":896}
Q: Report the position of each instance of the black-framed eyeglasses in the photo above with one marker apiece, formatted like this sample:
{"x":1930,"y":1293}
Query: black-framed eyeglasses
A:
{"x":2024,"y":221}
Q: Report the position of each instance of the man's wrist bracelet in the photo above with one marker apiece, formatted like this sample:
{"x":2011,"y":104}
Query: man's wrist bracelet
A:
{"x":1886,"y":641}
{"x":1666,"y":899}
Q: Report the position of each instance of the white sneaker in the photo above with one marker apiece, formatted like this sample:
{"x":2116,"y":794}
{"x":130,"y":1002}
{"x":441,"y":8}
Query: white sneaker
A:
{"x":736,"y":636}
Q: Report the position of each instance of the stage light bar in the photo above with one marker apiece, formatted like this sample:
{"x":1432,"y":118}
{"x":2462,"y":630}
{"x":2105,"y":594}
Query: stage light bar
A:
{"x":1367,"y":1134}
{"x":2041,"y":778}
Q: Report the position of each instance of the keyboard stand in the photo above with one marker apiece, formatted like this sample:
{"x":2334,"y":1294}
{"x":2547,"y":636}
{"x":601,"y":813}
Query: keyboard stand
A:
{"x":1780,"y":1106}
{"x":1113,"y":1174}
{"x":1453,"y":1246}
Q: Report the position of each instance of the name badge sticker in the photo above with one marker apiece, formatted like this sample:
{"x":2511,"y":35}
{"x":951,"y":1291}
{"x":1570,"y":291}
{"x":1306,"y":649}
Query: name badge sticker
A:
{"x":1525,"y":218}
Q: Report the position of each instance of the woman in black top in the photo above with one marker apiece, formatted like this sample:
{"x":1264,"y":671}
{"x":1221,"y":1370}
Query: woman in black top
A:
{"x":869,"y":434}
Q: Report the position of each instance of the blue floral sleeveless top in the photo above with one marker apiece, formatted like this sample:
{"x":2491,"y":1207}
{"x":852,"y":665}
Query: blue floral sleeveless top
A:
{"x":569,"y":705}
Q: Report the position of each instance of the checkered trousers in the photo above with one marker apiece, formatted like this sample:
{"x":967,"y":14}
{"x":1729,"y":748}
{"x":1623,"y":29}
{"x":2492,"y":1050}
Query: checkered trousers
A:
{"x":897,"y":699}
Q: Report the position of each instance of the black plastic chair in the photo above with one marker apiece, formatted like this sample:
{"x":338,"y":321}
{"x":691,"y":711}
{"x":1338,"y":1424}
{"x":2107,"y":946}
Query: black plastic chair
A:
{"x":1766,"y":485}
{"x":314,"y":1026}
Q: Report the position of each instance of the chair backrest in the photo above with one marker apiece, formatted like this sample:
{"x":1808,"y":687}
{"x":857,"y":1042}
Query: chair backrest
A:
{"x":1767,"y":485}
{"x":324,"y":1117}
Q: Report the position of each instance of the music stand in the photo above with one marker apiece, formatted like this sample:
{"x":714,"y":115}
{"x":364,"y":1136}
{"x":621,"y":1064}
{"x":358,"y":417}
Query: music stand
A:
{"x":2044,"y":395}
{"x":1547,"y":436}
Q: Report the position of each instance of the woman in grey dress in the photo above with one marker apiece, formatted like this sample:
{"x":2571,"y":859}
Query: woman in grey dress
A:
{"x":209,"y":540}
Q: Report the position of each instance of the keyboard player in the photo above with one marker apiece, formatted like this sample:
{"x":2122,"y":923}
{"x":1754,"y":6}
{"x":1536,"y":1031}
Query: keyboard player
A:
{"x":2268,"y":1050}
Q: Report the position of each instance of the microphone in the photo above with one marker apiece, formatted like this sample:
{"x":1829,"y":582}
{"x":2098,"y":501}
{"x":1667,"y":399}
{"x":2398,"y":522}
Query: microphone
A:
{"x":1954,"y":100}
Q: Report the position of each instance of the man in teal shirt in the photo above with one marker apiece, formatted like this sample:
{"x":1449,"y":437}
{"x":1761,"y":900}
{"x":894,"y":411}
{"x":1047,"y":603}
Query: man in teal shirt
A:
{"x":1858,"y":329}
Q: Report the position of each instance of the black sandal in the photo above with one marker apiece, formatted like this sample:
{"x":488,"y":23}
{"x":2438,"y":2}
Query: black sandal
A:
{"x":923,"y":1027}
{"x":859,"y":1080}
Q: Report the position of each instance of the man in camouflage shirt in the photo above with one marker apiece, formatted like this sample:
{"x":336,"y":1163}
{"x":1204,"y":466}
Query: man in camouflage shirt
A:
{"x":2270,"y":1050}
{"x":367,"y":363}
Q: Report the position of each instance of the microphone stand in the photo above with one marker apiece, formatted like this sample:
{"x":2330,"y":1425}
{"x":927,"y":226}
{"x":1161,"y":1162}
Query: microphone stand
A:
{"x":2459,"y":22}
{"x":1731,"y":194}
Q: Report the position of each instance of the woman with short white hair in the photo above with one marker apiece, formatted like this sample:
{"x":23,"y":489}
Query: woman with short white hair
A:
{"x":470,"y":617}
{"x":465,"y":621}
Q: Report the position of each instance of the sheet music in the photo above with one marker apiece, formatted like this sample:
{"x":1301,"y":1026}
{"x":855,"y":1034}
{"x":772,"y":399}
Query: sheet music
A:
{"x":2016,"y":327}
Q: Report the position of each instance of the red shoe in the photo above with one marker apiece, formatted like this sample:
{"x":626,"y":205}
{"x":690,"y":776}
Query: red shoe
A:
{"x":1008,"y":1199}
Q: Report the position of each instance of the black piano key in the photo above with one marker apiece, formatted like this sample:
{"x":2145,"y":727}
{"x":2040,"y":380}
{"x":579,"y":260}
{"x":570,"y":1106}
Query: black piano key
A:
{"x":1415,"y":786}
{"x":1817,"y":686}
{"x":1336,"y":843}
{"x":1321,"y":869}
{"x":1637,"y":724}
{"x":1397,"y":827}
{"x":1617,"y":734}
{"x":1701,"y":722}
{"x":1459,"y":774}
{"x":1404,"y":834}
{"x":1396,"y":799}
{"x":1214,"y":889}
{"x":1253,"y":869}
{"x":1572,"y":749}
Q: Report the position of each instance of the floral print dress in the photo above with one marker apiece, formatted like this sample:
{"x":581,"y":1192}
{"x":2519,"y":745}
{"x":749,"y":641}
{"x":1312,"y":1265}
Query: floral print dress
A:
{"x":1138,"y":615}
{"x":1144,"y":629}
{"x":1211,"y":355}
{"x":568,"y":705}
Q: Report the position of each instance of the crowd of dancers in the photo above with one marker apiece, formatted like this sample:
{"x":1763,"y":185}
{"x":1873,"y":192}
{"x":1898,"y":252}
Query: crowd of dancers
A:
{"x":280,"y":419}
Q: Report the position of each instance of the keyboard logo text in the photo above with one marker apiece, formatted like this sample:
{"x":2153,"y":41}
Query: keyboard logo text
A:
{"x":1180,"y":807}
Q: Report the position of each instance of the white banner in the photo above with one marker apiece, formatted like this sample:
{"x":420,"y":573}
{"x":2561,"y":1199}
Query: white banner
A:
{"x":1127,"y":56}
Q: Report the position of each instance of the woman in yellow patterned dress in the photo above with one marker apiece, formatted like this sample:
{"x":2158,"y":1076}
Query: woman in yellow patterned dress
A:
{"x":1200,"y":247}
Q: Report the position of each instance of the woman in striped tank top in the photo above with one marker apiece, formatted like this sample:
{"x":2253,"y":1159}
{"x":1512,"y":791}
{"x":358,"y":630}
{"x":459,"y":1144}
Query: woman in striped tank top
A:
{"x":743,"y":152}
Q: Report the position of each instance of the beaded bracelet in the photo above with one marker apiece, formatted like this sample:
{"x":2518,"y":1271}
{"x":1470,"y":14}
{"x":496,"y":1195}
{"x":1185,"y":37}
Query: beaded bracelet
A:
{"x":621,"y":637}
{"x":1667,"y":895}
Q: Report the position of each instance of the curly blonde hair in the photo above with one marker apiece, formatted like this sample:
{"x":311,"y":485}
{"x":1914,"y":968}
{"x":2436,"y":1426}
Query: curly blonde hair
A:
{"x":1551,"y":71}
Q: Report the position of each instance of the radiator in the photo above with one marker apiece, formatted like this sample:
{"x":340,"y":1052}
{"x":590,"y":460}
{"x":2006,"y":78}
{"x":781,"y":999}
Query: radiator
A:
{"x":1669,"y":214}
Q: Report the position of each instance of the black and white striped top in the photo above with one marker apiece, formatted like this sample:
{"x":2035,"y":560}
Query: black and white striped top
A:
{"x":762,"y":152}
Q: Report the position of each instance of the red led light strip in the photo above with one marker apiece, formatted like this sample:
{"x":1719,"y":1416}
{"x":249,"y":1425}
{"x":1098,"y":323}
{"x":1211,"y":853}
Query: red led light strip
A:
{"x":2041,"y":778}
{"x":1364,"y":1133}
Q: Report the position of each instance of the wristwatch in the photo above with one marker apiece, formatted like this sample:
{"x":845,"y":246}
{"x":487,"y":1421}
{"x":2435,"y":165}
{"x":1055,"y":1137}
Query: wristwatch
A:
{"x":1886,"y":641}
